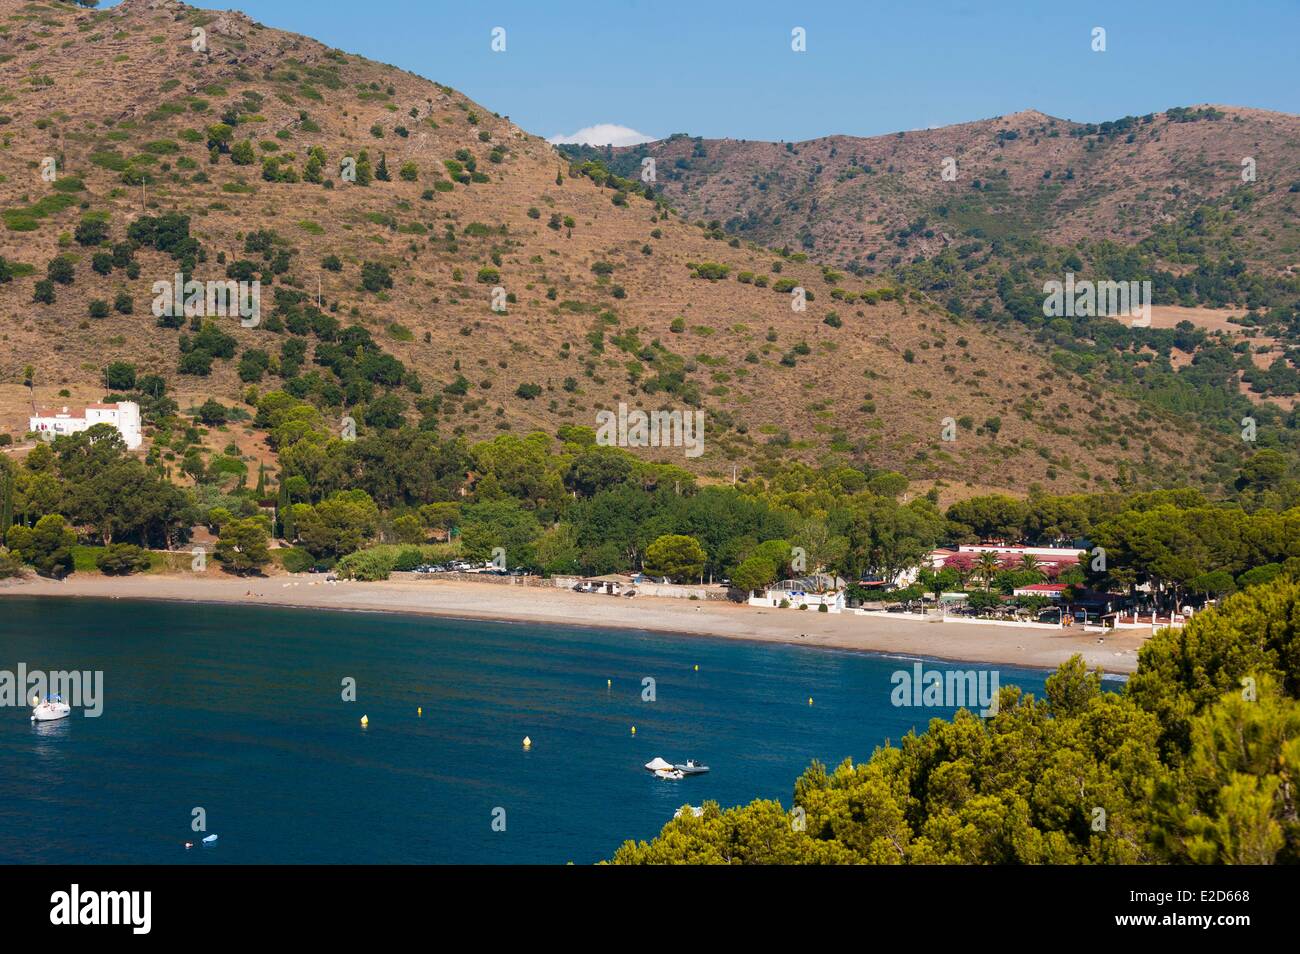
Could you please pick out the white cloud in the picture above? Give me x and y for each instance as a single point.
(603, 134)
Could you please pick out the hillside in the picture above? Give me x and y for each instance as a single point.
(611, 297)
(846, 199)
(979, 216)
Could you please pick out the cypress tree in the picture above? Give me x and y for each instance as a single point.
(284, 508)
(6, 503)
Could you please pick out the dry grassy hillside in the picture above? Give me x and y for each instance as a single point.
(1039, 176)
(123, 104)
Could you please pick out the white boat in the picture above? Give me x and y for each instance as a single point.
(657, 764)
(50, 709)
(691, 767)
(669, 773)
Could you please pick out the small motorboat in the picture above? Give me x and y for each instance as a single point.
(210, 840)
(50, 709)
(657, 764)
(671, 774)
(691, 767)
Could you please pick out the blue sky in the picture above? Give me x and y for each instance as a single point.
(721, 68)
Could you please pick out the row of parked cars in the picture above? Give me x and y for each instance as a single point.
(465, 566)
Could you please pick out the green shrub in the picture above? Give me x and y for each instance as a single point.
(375, 277)
(122, 559)
(373, 564)
(295, 559)
(85, 558)
(408, 559)
(713, 271)
(10, 566)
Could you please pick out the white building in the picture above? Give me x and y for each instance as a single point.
(50, 423)
(1041, 554)
(1046, 558)
(793, 594)
(1053, 591)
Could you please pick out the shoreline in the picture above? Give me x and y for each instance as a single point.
(1115, 654)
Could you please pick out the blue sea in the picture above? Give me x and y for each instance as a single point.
(239, 711)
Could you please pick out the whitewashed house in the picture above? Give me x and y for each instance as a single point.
(50, 423)
(611, 584)
(792, 592)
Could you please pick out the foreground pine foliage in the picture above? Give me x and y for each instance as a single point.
(1196, 761)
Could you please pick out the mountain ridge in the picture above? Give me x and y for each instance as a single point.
(864, 187)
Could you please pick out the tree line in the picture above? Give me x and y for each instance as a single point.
(565, 504)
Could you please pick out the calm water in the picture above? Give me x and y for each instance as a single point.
(238, 710)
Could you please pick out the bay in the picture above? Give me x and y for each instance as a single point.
(239, 710)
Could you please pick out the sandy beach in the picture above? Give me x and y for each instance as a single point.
(1032, 648)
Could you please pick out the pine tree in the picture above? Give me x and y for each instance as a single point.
(241, 154)
(364, 174)
(381, 173)
(314, 170)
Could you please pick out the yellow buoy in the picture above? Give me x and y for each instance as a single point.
(697, 667)
(365, 720)
(634, 730)
(810, 700)
(419, 710)
(528, 743)
(609, 683)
